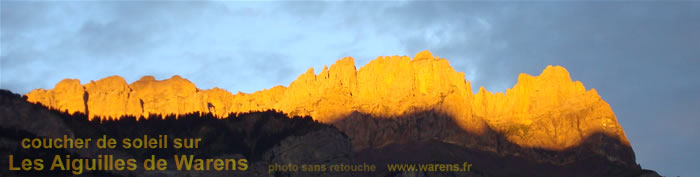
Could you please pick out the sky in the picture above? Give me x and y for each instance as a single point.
(642, 57)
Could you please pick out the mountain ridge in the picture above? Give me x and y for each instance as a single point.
(546, 111)
(420, 137)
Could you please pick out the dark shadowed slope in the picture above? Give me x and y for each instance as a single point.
(270, 137)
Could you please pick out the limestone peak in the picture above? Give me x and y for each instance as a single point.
(147, 78)
(112, 79)
(424, 55)
(68, 83)
(556, 72)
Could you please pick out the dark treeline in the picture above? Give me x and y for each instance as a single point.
(243, 135)
(248, 134)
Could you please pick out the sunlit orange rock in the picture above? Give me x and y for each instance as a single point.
(68, 95)
(107, 97)
(549, 110)
(172, 96)
(219, 101)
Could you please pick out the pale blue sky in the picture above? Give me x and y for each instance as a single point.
(642, 57)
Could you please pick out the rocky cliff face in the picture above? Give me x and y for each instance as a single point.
(266, 138)
(547, 111)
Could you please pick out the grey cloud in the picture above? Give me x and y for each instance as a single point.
(642, 57)
(107, 38)
(14, 17)
(304, 9)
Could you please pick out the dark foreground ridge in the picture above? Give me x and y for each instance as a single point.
(270, 137)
